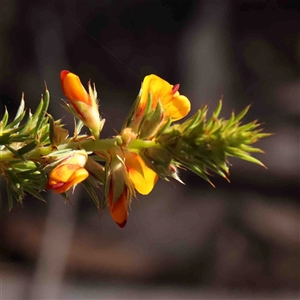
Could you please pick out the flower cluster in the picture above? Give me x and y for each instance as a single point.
(151, 144)
(126, 172)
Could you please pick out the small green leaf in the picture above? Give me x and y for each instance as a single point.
(27, 148)
(78, 127)
(41, 115)
(4, 120)
(13, 151)
(21, 108)
(242, 114)
(19, 115)
(218, 109)
(15, 123)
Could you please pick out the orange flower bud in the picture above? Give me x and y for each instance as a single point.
(85, 103)
(68, 173)
(118, 209)
(118, 188)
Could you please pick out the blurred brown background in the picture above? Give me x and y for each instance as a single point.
(238, 241)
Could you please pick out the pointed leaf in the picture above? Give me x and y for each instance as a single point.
(4, 120)
(41, 115)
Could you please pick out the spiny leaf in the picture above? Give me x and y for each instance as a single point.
(34, 193)
(27, 148)
(242, 114)
(4, 120)
(42, 112)
(15, 152)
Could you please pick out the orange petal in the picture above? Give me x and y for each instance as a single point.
(142, 177)
(73, 89)
(63, 172)
(63, 177)
(118, 210)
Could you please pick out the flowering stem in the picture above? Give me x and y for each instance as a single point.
(140, 144)
(39, 152)
(88, 145)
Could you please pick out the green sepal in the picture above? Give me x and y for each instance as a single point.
(164, 127)
(151, 122)
(87, 184)
(132, 112)
(117, 179)
(135, 118)
(57, 134)
(69, 108)
(96, 170)
(78, 126)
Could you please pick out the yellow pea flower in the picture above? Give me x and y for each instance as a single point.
(68, 173)
(142, 177)
(174, 105)
(85, 103)
(126, 172)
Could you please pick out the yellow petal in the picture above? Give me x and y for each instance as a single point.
(175, 105)
(158, 88)
(78, 176)
(177, 108)
(142, 177)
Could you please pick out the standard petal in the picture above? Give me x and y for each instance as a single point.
(158, 87)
